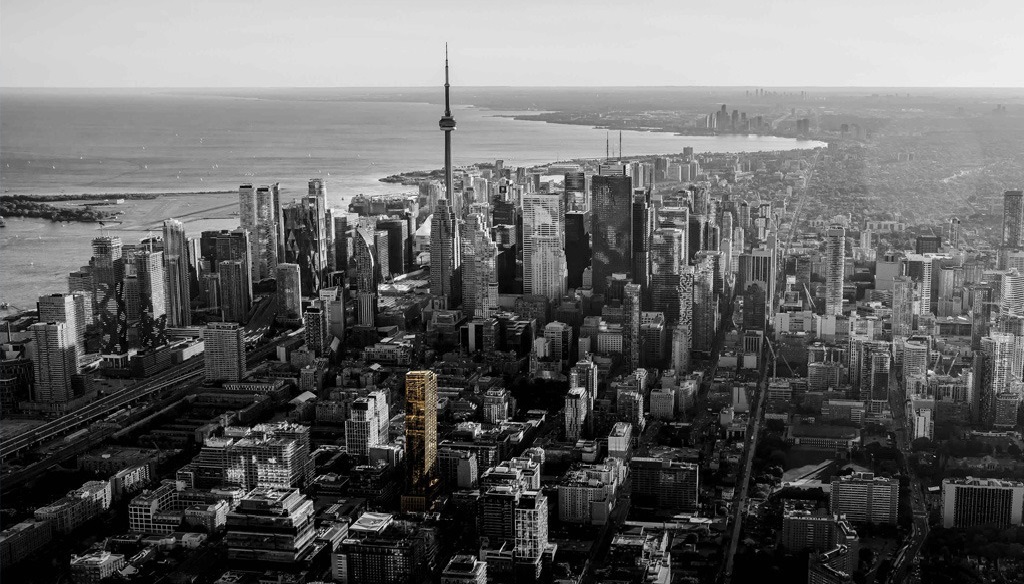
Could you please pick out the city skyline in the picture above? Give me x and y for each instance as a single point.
(677, 366)
(140, 45)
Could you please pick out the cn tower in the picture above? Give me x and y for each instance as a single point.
(447, 125)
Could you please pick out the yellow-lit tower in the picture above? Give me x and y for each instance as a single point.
(420, 440)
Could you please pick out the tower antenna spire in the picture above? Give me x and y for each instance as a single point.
(447, 103)
(447, 125)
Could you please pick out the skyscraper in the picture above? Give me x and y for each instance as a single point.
(420, 439)
(62, 308)
(235, 291)
(544, 267)
(177, 265)
(643, 227)
(149, 270)
(479, 277)
(54, 364)
(445, 254)
(631, 325)
(902, 306)
(258, 215)
(305, 233)
(1013, 219)
(611, 227)
(365, 256)
(317, 332)
(225, 351)
(577, 246)
(108, 279)
(289, 290)
(835, 254)
(666, 259)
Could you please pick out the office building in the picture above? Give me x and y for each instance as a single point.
(544, 265)
(577, 246)
(445, 255)
(420, 439)
(479, 277)
(863, 497)
(95, 567)
(971, 502)
(305, 237)
(665, 483)
(270, 526)
(611, 227)
(464, 569)
(642, 227)
(225, 351)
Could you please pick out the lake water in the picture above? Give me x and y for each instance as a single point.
(59, 141)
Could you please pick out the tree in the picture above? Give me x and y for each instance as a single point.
(922, 443)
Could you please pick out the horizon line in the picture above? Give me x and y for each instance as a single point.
(364, 87)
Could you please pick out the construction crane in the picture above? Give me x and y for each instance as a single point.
(775, 360)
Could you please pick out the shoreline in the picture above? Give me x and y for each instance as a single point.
(48, 197)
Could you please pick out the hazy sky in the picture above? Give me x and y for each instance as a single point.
(214, 43)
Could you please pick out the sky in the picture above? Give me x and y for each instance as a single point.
(358, 43)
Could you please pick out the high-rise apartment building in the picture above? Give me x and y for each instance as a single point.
(835, 254)
(902, 306)
(108, 270)
(225, 351)
(152, 297)
(54, 364)
(970, 502)
(1013, 219)
(420, 439)
(576, 413)
(177, 270)
(258, 216)
(64, 308)
(863, 497)
(235, 290)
